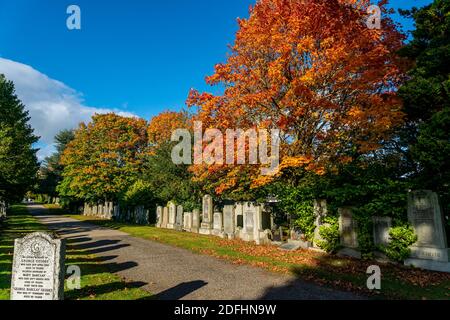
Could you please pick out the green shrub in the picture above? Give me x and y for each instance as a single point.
(138, 194)
(330, 235)
(401, 239)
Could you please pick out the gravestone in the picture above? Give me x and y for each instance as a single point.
(38, 268)
(207, 215)
(179, 218)
(348, 233)
(425, 215)
(165, 218)
(116, 213)
(172, 215)
(381, 227)
(195, 221)
(218, 225)
(249, 217)
(228, 221)
(187, 221)
(159, 216)
(239, 219)
(320, 211)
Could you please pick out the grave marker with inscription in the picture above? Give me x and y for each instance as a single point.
(38, 268)
(381, 227)
(425, 215)
(207, 215)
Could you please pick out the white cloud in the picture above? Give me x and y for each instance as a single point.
(53, 106)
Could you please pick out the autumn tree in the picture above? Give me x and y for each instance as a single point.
(167, 180)
(314, 70)
(161, 126)
(105, 158)
(18, 162)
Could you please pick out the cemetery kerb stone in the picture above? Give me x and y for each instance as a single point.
(425, 215)
(38, 268)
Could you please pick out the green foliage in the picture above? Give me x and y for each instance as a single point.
(50, 172)
(168, 181)
(329, 233)
(139, 194)
(426, 97)
(402, 237)
(18, 162)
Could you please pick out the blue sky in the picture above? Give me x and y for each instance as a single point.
(134, 56)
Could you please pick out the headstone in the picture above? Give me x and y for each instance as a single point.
(381, 227)
(218, 224)
(195, 221)
(116, 213)
(239, 220)
(207, 215)
(38, 268)
(347, 228)
(165, 218)
(179, 219)
(320, 211)
(425, 215)
(228, 221)
(249, 217)
(187, 223)
(172, 215)
(348, 233)
(159, 216)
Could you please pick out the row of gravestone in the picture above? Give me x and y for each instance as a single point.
(246, 221)
(109, 210)
(426, 217)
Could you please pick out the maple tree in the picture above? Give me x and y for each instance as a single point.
(314, 70)
(161, 126)
(104, 158)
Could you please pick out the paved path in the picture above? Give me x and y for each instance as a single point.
(174, 273)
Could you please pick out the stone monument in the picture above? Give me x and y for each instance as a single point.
(207, 215)
(381, 227)
(425, 215)
(172, 215)
(348, 233)
(38, 268)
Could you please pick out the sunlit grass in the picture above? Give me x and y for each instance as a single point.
(97, 282)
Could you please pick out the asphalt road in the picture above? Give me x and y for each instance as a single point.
(172, 273)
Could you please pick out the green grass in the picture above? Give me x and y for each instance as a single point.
(398, 282)
(97, 282)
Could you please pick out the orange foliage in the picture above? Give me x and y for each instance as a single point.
(315, 70)
(161, 126)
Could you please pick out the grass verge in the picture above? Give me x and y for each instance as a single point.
(97, 282)
(398, 282)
